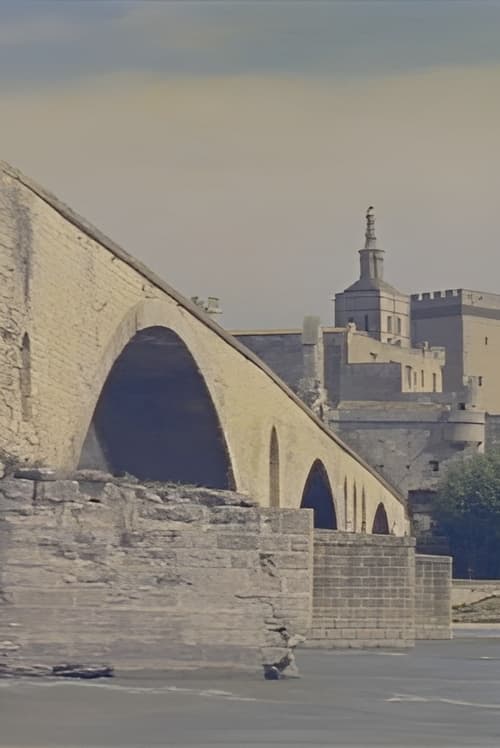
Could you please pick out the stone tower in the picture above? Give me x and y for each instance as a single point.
(373, 305)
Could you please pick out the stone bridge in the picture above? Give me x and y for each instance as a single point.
(103, 365)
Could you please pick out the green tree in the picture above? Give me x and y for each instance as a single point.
(467, 509)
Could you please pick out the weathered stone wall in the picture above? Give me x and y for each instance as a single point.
(364, 587)
(407, 443)
(432, 597)
(158, 576)
(370, 381)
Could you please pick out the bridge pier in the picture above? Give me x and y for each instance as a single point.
(375, 591)
(168, 576)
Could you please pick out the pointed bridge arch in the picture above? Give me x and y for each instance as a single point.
(380, 521)
(317, 495)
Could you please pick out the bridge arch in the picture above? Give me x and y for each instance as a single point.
(317, 495)
(274, 469)
(380, 523)
(155, 419)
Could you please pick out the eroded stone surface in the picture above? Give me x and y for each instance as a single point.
(150, 575)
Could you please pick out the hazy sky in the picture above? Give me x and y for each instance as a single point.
(234, 146)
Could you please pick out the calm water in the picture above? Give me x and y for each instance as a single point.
(439, 694)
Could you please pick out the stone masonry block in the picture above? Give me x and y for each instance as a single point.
(246, 516)
(58, 491)
(238, 541)
(295, 522)
(17, 489)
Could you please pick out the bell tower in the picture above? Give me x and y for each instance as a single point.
(371, 258)
(373, 305)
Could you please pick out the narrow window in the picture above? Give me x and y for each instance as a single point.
(367, 326)
(354, 508)
(480, 381)
(414, 378)
(389, 324)
(25, 378)
(422, 379)
(408, 376)
(434, 382)
(486, 341)
(274, 470)
(346, 505)
(363, 511)
(398, 322)
(434, 465)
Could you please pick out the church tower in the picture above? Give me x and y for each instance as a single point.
(374, 306)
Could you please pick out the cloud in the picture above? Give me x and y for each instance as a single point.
(37, 31)
(255, 188)
(46, 42)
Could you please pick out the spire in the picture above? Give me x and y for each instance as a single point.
(371, 257)
(370, 238)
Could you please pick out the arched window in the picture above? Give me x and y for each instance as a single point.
(363, 510)
(155, 418)
(354, 508)
(380, 523)
(274, 470)
(318, 495)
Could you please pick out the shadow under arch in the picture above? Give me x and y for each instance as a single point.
(274, 470)
(155, 418)
(380, 523)
(317, 495)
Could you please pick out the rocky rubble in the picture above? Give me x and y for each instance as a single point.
(65, 670)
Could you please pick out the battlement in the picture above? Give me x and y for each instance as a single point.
(464, 297)
(439, 296)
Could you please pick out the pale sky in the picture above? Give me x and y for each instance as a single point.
(235, 146)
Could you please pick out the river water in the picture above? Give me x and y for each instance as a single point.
(438, 694)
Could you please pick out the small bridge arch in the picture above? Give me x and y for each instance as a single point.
(380, 521)
(317, 495)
